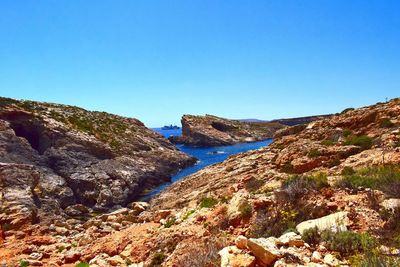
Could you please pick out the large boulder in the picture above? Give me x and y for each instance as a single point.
(264, 250)
(335, 222)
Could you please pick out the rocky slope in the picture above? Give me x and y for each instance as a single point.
(325, 194)
(210, 130)
(301, 120)
(54, 156)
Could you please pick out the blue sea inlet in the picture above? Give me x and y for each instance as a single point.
(205, 155)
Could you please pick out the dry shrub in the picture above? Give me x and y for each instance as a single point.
(198, 252)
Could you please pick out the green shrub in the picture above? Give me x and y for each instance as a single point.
(348, 242)
(334, 162)
(384, 177)
(279, 146)
(374, 259)
(170, 222)
(327, 142)
(187, 214)
(157, 259)
(4, 102)
(386, 123)
(348, 171)
(363, 141)
(245, 209)
(287, 168)
(82, 264)
(314, 153)
(311, 236)
(346, 110)
(208, 202)
(23, 263)
(347, 132)
(283, 220)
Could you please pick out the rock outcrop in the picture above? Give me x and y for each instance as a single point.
(210, 130)
(53, 156)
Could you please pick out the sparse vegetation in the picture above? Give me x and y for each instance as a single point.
(347, 132)
(253, 184)
(314, 153)
(287, 168)
(334, 162)
(345, 242)
(363, 141)
(348, 242)
(208, 202)
(311, 236)
(386, 123)
(245, 209)
(315, 182)
(60, 249)
(327, 142)
(384, 177)
(188, 214)
(346, 110)
(4, 102)
(348, 171)
(373, 259)
(157, 259)
(170, 222)
(82, 264)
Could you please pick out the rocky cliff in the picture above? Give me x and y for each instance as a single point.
(324, 194)
(214, 131)
(54, 156)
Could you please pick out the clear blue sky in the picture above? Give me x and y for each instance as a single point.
(157, 60)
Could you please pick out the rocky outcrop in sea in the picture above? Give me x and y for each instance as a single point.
(208, 130)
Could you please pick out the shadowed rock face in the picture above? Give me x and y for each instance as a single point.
(69, 155)
(214, 131)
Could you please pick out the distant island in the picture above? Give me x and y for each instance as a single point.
(170, 127)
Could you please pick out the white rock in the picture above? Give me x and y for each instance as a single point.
(316, 257)
(334, 222)
(330, 260)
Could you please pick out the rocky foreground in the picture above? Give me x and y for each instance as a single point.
(324, 194)
(208, 130)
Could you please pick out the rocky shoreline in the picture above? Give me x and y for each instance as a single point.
(323, 194)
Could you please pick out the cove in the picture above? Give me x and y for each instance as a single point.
(206, 156)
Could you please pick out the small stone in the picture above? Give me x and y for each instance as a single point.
(330, 260)
(116, 261)
(161, 214)
(72, 256)
(316, 257)
(36, 256)
(138, 207)
(61, 230)
(241, 242)
(292, 239)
